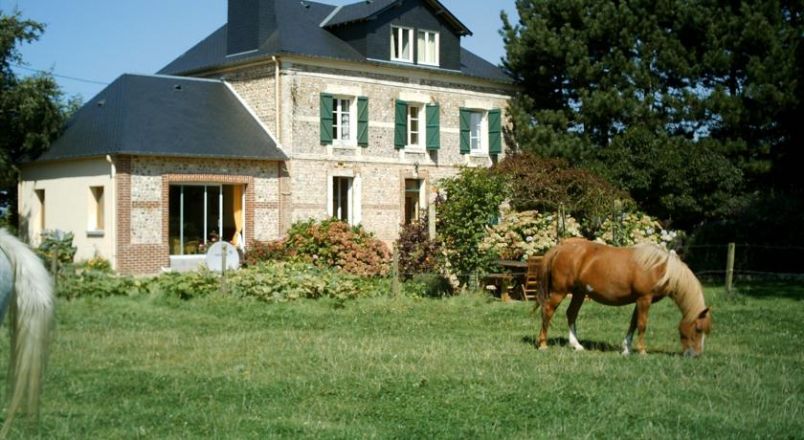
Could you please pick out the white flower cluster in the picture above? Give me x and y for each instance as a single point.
(634, 228)
(526, 233)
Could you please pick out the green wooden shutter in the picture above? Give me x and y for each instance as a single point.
(433, 126)
(362, 121)
(326, 119)
(495, 131)
(401, 125)
(466, 121)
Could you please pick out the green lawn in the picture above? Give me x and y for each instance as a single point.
(464, 367)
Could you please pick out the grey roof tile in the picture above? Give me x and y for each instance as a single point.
(297, 30)
(165, 116)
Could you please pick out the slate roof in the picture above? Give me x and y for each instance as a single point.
(165, 116)
(366, 10)
(296, 29)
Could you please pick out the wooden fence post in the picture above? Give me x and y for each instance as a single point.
(223, 269)
(395, 273)
(729, 268)
(54, 269)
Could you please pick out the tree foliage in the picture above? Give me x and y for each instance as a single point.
(552, 184)
(685, 104)
(467, 204)
(32, 111)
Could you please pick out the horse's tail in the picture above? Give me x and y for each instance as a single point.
(31, 317)
(547, 273)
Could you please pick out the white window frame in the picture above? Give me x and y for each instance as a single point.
(422, 127)
(397, 33)
(96, 218)
(421, 202)
(423, 58)
(421, 132)
(482, 138)
(354, 205)
(337, 112)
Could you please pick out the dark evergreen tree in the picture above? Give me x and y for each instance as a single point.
(684, 104)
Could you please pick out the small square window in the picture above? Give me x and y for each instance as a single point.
(39, 222)
(96, 208)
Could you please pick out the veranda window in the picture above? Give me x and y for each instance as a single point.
(200, 215)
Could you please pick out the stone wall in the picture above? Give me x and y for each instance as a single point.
(380, 167)
(143, 185)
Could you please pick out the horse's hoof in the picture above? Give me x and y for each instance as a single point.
(579, 348)
(543, 348)
(626, 353)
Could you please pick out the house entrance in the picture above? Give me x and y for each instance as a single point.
(203, 214)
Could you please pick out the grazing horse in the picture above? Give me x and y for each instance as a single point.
(26, 290)
(642, 274)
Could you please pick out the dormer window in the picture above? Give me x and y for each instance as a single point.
(401, 44)
(427, 48)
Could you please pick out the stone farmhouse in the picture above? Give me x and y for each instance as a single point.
(291, 110)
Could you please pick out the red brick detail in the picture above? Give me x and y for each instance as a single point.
(224, 179)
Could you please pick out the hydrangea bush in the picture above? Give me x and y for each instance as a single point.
(634, 228)
(328, 243)
(522, 234)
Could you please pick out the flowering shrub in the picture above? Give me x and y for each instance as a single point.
(636, 227)
(522, 234)
(417, 253)
(329, 243)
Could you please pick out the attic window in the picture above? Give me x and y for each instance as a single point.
(427, 48)
(401, 44)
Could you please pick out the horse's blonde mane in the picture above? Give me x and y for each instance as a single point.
(678, 280)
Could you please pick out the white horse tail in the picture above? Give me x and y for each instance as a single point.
(31, 318)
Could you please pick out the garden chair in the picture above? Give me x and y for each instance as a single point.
(530, 288)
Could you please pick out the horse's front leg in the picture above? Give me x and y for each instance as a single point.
(572, 315)
(642, 306)
(548, 308)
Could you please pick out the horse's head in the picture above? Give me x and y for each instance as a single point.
(693, 332)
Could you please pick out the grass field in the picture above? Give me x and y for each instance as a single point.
(464, 367)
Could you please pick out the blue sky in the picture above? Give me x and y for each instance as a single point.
(98, 40)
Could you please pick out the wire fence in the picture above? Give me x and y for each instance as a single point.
(710, 263)
(751, 261)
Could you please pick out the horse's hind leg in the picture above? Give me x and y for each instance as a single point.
(629, 337)
(548, 308)
(572, 315)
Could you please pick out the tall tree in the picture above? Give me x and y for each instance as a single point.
(32, 112)
(682, 103)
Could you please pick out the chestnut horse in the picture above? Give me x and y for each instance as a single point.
(642, 274)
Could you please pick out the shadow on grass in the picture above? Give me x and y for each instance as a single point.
(603, 347)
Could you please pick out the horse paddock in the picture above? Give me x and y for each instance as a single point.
(462, 367)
